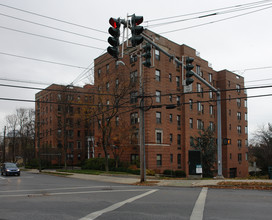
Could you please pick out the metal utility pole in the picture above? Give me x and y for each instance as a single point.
(4, 146)
(142, 124)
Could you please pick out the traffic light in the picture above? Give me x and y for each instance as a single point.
(147, 55)
(114, 31)
(226, 141)
(136, 30)
(189, 66)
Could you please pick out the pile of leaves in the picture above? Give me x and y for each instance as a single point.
(243, 185)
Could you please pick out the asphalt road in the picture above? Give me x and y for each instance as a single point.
(41, 196)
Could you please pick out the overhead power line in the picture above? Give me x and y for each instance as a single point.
(206, 11)
(54, 28)
(45, 61)
(51, 38)
(212, 22)
(209, 15)
(55, 19)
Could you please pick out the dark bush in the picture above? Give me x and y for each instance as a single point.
(97, 164)
(180, 173)
(169, 173)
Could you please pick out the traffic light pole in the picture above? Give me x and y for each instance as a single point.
(142, 124)
(218, 101)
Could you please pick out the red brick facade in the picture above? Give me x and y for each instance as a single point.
(61, 123)
(176, 126)
(115, 102)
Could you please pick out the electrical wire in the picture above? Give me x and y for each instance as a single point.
(51, 18)
(201, 12)
(208, 15)
(212, 22)
(54, 28)
(50, 38)
(45, 61)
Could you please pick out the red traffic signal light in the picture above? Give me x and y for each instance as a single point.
(114, 31)
(115, 22)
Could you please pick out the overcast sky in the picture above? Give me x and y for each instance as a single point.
(235, 38)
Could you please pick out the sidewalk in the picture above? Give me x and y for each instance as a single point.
(134, 179)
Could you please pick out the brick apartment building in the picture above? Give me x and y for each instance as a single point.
(62, 126)
(169, 132)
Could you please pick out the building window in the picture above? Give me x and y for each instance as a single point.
(245, 103)
(239, 130)
(133, 58)
(158, 117)
(238, 88)
(171, 158)
(107, 68)
(198, 70)
(78, 145)
(134, 118)
(200, 124)
(178, 120)
(246, 116)
(211, 110)
(158, 75)
(158, 136)
(191, 123)
(229, 112)
(191, 141)
(246, 143)
(99, 73)
(117, 83)
(170, 98)
(170, 77)
(191, 104)
(179, 139)
(116, 120)
(238, 100)
(210, 77)
(238, 116)
(239, 157)
(133, 97)
(108, 104)
(171, 138)
(178, 81)
(157, 54)
(198, 87)
(199, 107)
(179, 160)
(171, 118)
(133, 76)
(246, 130)
(239, 143)
(178, 100)
(158, 96)
(107, 86)
(210, 94)
(246, 156)
(134, 158)
(159, 160)
(211, 126)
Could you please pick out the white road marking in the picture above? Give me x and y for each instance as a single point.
(66, 188)
(96, 214)
(2, 178)
(71, 193)
(197, 213)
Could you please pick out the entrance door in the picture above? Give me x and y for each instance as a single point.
(194, 159)
(233, 172)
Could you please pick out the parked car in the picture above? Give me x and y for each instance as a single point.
(10, 169)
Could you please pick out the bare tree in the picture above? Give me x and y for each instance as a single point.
(114, 92)
(261, 149)
(12, 125)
